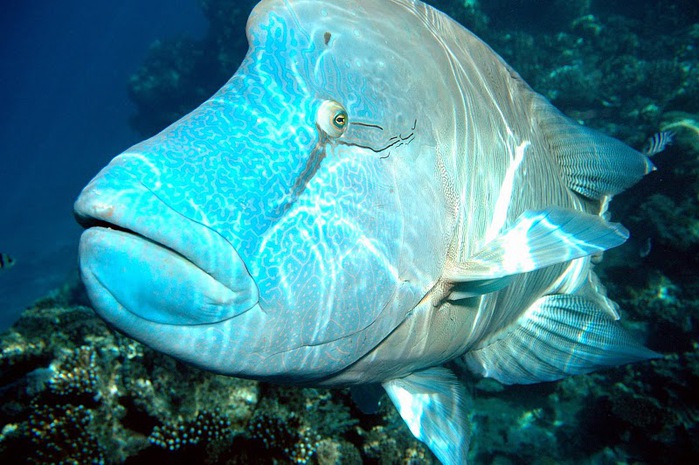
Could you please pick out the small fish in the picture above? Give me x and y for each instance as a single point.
(6, 262)
(658, 142)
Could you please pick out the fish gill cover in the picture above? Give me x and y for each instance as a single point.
(74, 391)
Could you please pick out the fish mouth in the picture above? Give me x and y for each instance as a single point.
(140, 255)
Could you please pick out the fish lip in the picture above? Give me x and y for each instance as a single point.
(140, 212)
(90, 222)
(91, 215)
(87, 222)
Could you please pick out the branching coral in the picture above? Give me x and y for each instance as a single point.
(61, 434)
(76, 373)
(208, 426)
(285, 434)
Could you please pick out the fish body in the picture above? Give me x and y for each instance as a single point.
(6, 261)
(374, 193)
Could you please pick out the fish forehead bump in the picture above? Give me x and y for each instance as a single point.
(362, 54)
(359, 34)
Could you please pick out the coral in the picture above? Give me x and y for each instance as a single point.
(685, 126)
(85, 394)
(600, 67)
(669, 223)
(85, 385)
(207, 426)
(641, 412)
(285, 434)
(382, 446)
(337, 452)
(329, 414)
(390, 442)
(166, 87)
(533, 14)
(75, 373)
(61, 434)
(597, 65)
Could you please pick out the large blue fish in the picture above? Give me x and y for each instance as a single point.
(372, 194)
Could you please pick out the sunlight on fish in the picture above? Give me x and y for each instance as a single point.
(373, 194)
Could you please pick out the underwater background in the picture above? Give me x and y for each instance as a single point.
(81, 81)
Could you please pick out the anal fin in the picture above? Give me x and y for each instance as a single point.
(559, 335)
(433, 403)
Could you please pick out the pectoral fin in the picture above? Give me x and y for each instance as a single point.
(536, 240)
(433, 403)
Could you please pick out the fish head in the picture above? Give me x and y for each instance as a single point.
(286, 226)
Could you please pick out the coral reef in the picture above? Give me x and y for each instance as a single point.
(607, 70)
(285, 434)
(207, 426)
(61, 434)
(85, 394)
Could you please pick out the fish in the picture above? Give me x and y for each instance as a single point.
(6, 261)
(374, 199)
(658, 142)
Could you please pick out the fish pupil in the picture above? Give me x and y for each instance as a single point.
(340, 119)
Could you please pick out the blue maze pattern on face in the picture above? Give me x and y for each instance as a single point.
(232, 164)
(314, 218)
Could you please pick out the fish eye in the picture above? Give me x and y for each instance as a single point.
(340, 119)
(332, 118)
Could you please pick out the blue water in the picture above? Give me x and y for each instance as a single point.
(64, 68)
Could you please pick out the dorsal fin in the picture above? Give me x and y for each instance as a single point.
(594, 165)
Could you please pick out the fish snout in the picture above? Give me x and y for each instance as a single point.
(139, 255)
